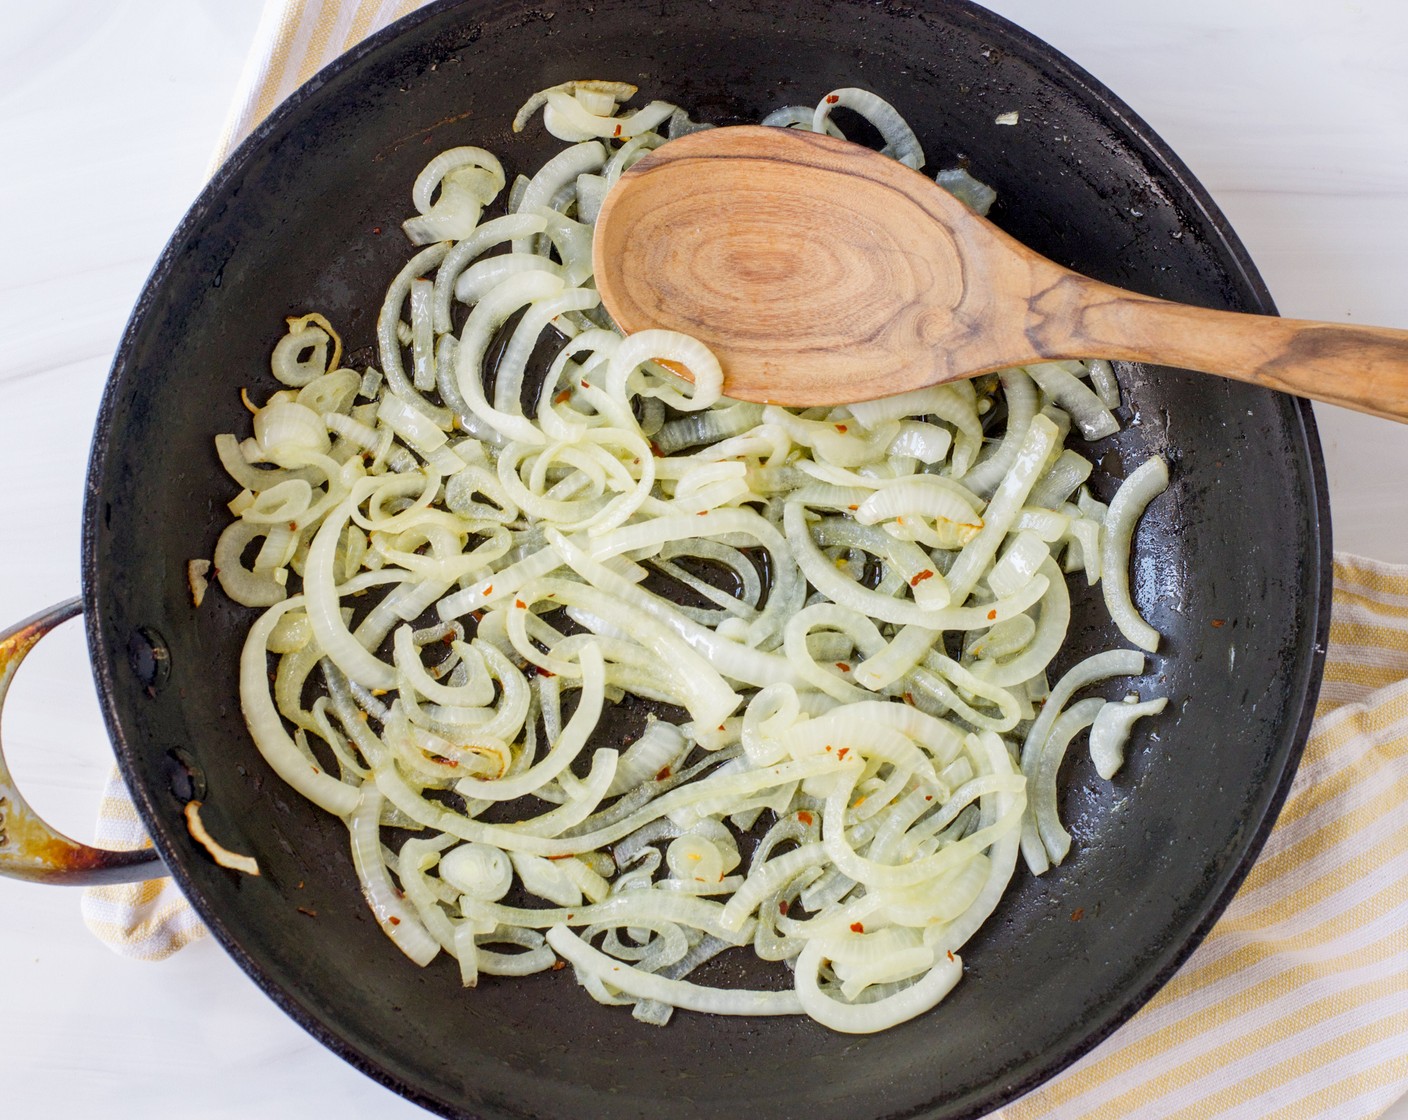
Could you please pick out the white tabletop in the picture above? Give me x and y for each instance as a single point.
(1294, 113)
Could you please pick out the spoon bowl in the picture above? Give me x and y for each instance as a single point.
(820, 272)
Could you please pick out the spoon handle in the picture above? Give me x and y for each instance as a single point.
(1363, 368)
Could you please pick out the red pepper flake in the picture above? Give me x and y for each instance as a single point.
(832, 98)
(488, 589)
(805, 817)
(841, 428)
(843, 752)
(293, 526)
(857, 927)
(853, 508)
(565, 395)
(950, 953)
(702, 513)
(558, 965)
(568, 856)
(376, 230)
(721, 727)
(305, 910)
(617, 131)
(664, 773)
(828, 746)
(920, 577)
(394, 920)
(585, 385)
(1218, 623)
(928, 797)
(992, 614)
(520, 604)
(909, 699)
(1078, 913)
(782, 907)
(843, 667)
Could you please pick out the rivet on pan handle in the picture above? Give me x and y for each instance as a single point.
(29, 848)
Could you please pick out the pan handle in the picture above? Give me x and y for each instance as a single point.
(29, 848)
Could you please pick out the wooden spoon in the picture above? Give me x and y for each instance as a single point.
(820, 272)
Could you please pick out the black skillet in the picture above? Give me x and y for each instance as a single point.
(1232, 564)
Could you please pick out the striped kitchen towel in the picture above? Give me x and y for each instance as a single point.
(147, 921)
(1296, 1004)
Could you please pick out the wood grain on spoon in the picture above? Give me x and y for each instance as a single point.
(821, 272)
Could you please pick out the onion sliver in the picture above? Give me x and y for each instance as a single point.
(1146, 483)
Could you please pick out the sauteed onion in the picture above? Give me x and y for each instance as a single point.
(827, 631)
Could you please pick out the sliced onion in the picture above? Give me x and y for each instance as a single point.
(1058, 382)
(568, 119)
(1110, 732)
(677, 993)
(1042, 775)
(975, 195)
(1134, 495)
(900, 141)
(559, 172)
(791, 583)
(397, 920)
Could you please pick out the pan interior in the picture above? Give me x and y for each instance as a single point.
(1232, 570)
